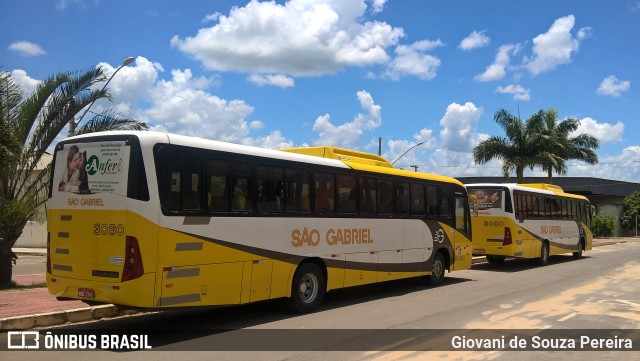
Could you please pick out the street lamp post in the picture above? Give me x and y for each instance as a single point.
(73, 123)
(403, 154)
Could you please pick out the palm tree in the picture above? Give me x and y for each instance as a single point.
(28, 126)
(520, 149)
(562, 147)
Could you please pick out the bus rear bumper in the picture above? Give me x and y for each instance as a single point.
(491, 250)
(135, 293)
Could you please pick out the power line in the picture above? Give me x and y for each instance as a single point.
(492, 167)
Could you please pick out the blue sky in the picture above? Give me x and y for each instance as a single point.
(346, 72)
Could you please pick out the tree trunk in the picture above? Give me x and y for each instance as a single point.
(520, 174)
(6, 268)
(549, 175)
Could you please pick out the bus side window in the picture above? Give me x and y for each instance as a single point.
(347, 194)
(242, 183)
(368, 196)
(385, 193)
(297, 193)
(218, 194)
(445, 202)
(175, 191)
(270, 189)
(402, 198)
(324, 193)
(417, 199)
(191, 190)
(432, 201)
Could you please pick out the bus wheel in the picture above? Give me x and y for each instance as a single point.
(437, 269)
(544, 254)
(307, 289)
(578, 253)
(494, 259)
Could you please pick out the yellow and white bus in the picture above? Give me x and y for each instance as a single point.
(157, 220)
(528, 221)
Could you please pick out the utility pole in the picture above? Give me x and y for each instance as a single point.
(415, 167)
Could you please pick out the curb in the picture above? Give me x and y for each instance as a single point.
(110, 311)
(63, 317)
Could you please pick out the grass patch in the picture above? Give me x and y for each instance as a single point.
(14, 286)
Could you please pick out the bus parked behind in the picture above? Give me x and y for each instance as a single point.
(528, 221)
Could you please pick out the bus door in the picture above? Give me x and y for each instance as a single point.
(462, 247)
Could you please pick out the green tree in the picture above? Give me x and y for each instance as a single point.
(29, 125)
(520, 149)
(631, 210)
(560, 147)
(602, 226)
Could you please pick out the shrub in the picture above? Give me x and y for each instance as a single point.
(602, 226)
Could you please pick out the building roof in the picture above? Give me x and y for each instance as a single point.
(586, 186)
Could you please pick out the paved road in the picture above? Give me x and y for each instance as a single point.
(599, 291)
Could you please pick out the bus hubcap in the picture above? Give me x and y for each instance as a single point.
(308, 288)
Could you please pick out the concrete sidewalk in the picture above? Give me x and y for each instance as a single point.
(31, 308)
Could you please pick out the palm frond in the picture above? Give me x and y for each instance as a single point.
(110, 121)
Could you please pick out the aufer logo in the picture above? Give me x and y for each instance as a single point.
(94, 166)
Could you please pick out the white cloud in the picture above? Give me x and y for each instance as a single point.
(411, 60)
(25, 82)
(612, 86)
(182, 105)
(26, 48)
(556, 46)
(134, 82)
(211, 17)
(278, 80)
(519, 93)
(477, 39)
(458, 127)
(378, 5)
(347, 135)
(605, 132)
(497, 70)
(623, 166)
(275, 140)
(256, 124)
(299, 37)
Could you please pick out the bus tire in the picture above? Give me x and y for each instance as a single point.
(578, 253)
(494, 259)
(307, 289)
(438, 267)
(544, 254)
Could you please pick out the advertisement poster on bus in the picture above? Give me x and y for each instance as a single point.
(484, 199)
(88, 168)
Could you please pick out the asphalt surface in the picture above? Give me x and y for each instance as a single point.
(32, 308)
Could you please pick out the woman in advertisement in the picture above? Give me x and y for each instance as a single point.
(71, 176)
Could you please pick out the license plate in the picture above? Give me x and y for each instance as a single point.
(86, 293)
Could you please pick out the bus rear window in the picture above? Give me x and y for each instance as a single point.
(100, 166)
(485, 199)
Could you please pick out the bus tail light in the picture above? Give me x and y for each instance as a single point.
(132, 260)
(507, 236)
(48, 252)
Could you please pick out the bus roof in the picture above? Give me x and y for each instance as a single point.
(149, 138)
(324, 155)
(541, 188)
